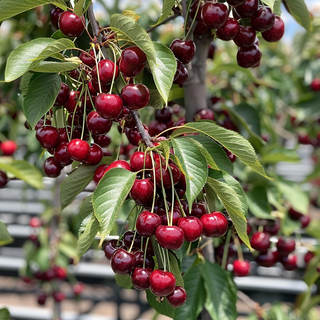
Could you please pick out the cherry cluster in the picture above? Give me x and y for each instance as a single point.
(7, 148)
(248, 18)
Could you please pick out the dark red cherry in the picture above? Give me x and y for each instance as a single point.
(263, 19)
(128, 238)
(40, 123)
(178, 297)
(95, 155)
(122, 262)
(63, 95)
(148, 260)
(99, 173)
(42, 298)
(305, 220)
(203, 114)
(285, 246)
(97, 125)
(3, 179)
(166, 179)
(245, 37)
(212, 50)
(58, 296)
(78, 150)
(142, 191)
(175, 216)
(247, 9)
(290, 262)
(267, 259)
(48, 136)
(272, 229)
(135, 96)
(109, 106)
(71, 104)
(105, 88)
(315, 85)
(164, 115)
(88, 58)
(8, 147)
(111, 246)
(133, 136)
(102, 140)
(249, 57)
(308, 256)
(215, 224)
(241, 268)
(55, 14)
(260, 241)
(229, 30)
(147, 222)
(200, 30)
(51, 168)
(276, 32)
(236, 2)
(91, 88)
(140, 278)
(192, 228)
(132, 61)
(140, 160)
(119, 164)
(294, 214)
(214, 15)
(106, 70)
(61, 156)
(181, 74)
(70, 24)
(63, 133)
(162, 283)
(169, 237)
(87, 103)
(156, 127)
(193, 10)
(183, 50)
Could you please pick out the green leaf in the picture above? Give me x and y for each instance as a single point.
(196, 295)
(68, 245)
(277, 7)
(221, 297)
(233, 68)
(75, 183)
(124, 281)
(288, 226)
(299, 10)
(41, 95)
(24, 83)
(214, 152)
(109, 196)
(5, 237)
(87, 232)
(23, 170)
(41, 258)
(258, 203)
(4, 314)
(161, 307)
(233, 205)
(274, 153)
(163, 69)
(55, 47)
(194, 165)
(166, 10)
(156, 100)
(174, 268)
(231, 140)
(11, 8)
(21, 59)
(54, 67)
(86, 207)
(269, 3)
(78, 8)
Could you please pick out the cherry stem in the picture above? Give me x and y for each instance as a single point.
(168, 259)
(162, 257)
(84, 113)
(238, 245)
(145, 136)
(121, 231)
(163, 22)
(173, 189)
(180, 204)
(192, 23)
(154, 183)
(226, 250)
(164, 196)
(134, 237)
(145, 254)
(122, 131)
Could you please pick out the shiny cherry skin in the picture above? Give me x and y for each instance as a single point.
(276, 32)
(260, 241)
(63, 133)
(106, 70)
(315, 85)
(8, 147)
(135, 96)
(102, 140)
(263, 19)
(122, 262)
(132, 61)
(142, 191)
(215, 224)
(162, 283)
(95, 155)
(51, 168)
(63, 95)
(169, 237)
(236, 2)
(147, 222)
(105, 88)
(78, 150)
(108, 106)
(229, 30)
(249, 57)
(88, 58)
(245, 37)
(178, 297)
(133, 136)
(192, 228)
(308, 256)
(193, 10)
(149, 262)
(111, 246)
(214, 15)
(70, 24)
(55, 14)
(181, 74)
(140, 160)
(305, 220)
(285, 246)
(140, 278)
(183, 50)
(230, 155)
(156, 127)
(61, 156)
(99, 173)
(290, 262)
(128, 238)
(241, 268)
(203, 114)
(3, 179)
(175, 217)
(48, 137)
(98, 125)
(247, 9)
(119, 164)
(164, 115)
(267, 259)
(71, 104)
(166, 179)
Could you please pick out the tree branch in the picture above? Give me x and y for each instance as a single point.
(163, 22)
(145, 136)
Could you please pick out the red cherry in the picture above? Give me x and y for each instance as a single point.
(78, 288)
(99, 173)
(272, 229)
(175, 217)
(212, 49)
(290, 262)
(118, 164)
(229, 30)
(308, 256)
(106, 70)
(305, 220)
(111, 246)
(142, 191)
(73, 99)
(247, 9)
(315, 85)
(156, 127)
(140, 160)
(63, 95)
(203, 114)
(104, 87)
(42, 298)
(95, 155)
(58, 296)
(70, 24)
(88, 58)
(8, 147)
(35, 222)
(133, 136)
(162, 283)
(236, 2)
(294, 215)
(109, 106)
(192, 228)
(164, 115)
(48, 136)
(200, 30)
(276, 32)
(135, 96)
(140, 278)
(169, 237)
(60, 273)
(102, 140)
(183, 50)
(267, 259)
(245, 37)
(122, 262)
(78, 150)
(193, 10)
(215, 224)
(63, 133)
(241, 268)
(55, 14)
(285, 247)
(128, 238)
(61, 156)
(166, 178)
(214, 15)
(147, 222)
(132, 61)
(198, 209)
(249, 57)
(98, 125)
(148, 260)
(51, 168)
(260, 241)
(263, 19)
(181, 74)
(178, 297)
